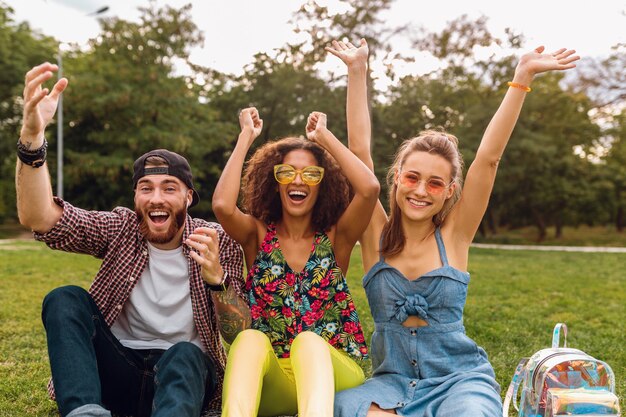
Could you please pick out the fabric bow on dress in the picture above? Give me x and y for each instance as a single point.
(412, 305)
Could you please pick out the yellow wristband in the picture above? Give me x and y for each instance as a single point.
(520, 86)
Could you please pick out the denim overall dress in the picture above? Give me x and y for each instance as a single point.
(428, 371)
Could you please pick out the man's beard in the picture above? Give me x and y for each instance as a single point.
(178, 220)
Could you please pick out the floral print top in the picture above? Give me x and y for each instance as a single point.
(284, 303)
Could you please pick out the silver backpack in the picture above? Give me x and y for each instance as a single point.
(562, 381)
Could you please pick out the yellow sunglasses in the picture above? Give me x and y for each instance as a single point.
(286, 174)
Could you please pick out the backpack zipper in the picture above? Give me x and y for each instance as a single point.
(552, 355)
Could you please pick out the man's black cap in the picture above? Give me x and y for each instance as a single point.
(177, 166)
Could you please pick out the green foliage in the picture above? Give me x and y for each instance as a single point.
(355, 20)
(544, 182)
(616, 169)
(583, 235)
(20, 49)
(124, 99)
(284, 96)
(126, 96)
(457, 41)
(604, 80)
(541, 180)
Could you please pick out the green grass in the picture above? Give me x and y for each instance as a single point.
(515, 298)
(29, 271)
(572, 236)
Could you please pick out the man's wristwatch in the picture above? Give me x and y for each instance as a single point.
(219, 287)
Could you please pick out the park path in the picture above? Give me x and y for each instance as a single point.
(551, 248)
(9, 244)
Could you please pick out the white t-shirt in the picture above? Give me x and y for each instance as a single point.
(158, 312)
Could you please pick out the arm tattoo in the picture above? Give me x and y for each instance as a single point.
(233, 313)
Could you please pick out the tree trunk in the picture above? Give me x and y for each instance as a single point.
(541, 225)
(491, 221)
(481, 228)
(619, 219)
(558, 233)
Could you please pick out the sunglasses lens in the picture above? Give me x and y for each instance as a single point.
(284, 174)
(312, 175)
(435, 187)
(409, 179)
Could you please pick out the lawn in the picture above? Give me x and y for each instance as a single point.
(572, 236)
(515, 298)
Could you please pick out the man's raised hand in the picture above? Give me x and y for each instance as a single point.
(39, 103)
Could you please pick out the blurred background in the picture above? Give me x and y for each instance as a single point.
(151, 74)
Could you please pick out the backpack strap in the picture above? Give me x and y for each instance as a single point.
(511, 392)
(556, 335)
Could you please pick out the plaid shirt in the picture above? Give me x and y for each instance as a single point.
(114, 237)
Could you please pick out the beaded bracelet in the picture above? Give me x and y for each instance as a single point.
(33, 157)
(520, 86)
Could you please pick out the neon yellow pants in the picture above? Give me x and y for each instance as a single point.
(259, 383)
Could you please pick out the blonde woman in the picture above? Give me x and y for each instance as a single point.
(416, 258)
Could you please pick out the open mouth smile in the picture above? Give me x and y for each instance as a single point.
(297, 196)
(418, 203)
(158, 217)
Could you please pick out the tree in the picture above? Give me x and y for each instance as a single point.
(124, 99)
(605, 79)
(539, 179)
(284, 96)
(605, 82)
(353, 20)
(358, 19)
(20, 49)
(616, 169)
(545, 181)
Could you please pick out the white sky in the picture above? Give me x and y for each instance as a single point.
(237, 29)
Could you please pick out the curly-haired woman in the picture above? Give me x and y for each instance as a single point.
(297, 228)
(416, 258)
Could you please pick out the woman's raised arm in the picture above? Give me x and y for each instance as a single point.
(467, 214)
(240, 226)
(360, 135)
(356, 217)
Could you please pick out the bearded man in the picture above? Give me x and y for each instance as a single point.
(144, 341)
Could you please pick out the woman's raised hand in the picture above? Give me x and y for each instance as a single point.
(536, 62)
(315, 127)
(351, 55)
(250, 122)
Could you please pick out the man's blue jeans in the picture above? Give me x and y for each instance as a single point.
(90, 366)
